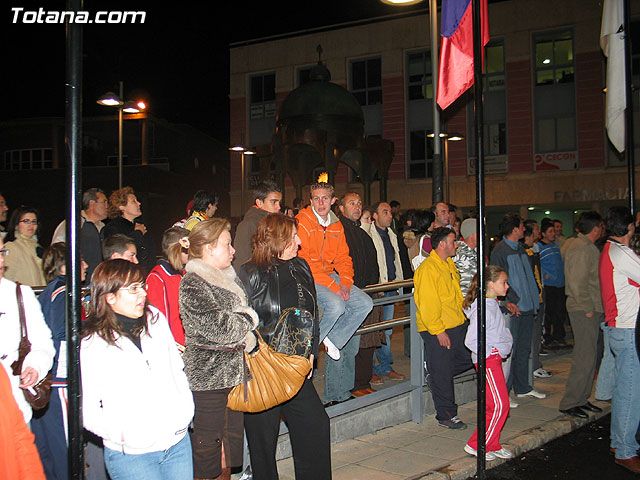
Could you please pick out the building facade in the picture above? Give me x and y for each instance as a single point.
(165, 163)
(544, 136)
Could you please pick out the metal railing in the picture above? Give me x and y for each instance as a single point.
(414, 385)
(386, 287)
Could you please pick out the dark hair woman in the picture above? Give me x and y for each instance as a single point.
(281, 289)
(416, 238)
(218, 324)
(38, 362)
(24, 258)
(135, 392)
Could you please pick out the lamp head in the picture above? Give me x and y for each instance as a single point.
(110, 99)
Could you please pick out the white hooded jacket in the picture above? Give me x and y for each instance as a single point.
(498, 335)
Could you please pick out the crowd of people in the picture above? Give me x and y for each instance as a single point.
(172, 332)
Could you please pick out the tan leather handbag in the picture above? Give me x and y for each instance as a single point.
(275, 378)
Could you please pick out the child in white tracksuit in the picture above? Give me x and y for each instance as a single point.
(498, 347)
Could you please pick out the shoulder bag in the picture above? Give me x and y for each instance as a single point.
(293, 333)
(274, 377)
(38, 395)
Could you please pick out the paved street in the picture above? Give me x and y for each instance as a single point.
(582, 454)
(427, 451)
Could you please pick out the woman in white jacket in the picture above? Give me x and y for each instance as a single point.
(135, 393)
(38, 361)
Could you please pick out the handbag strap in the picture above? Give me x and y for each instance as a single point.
(301, 299)
(423, 252)
(24, 345)
(23, 321)
(237, 348)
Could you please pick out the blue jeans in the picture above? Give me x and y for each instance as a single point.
(339, 318)
(383, 352)
(521, 330)
(339, 375)
(606, 372)
(172, 464)
(625, 414)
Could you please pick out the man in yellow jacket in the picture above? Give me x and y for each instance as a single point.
(442, 324)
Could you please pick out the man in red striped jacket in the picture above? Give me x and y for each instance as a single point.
(620, 288)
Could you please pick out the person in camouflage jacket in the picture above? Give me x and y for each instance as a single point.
(466, 258)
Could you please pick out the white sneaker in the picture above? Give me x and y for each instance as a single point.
(488, 456)
(513, 404)
(332, 350)
(533, 394)
(503, 453)
(541, 373)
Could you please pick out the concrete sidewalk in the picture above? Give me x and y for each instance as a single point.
(415, 451)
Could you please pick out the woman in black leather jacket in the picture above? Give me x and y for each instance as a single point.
(281, 290)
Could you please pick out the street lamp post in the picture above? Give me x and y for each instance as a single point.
(110, 99)
(446, 137)
(243, 151)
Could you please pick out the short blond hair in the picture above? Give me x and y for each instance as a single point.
(204, 233)
(321, 186)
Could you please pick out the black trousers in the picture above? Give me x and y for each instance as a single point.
(443, 364)
(364, 368)
(308, 431)
(213, 425)
(555, 315)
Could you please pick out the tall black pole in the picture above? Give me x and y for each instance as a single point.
(436, 177)
(626, 13)
(73, 133)
(482, 310)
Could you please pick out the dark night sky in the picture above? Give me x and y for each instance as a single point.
(178, 59)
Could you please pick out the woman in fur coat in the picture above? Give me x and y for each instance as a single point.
(218, 324)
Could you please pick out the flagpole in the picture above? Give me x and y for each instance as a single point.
(436, 177)
(629, 147)
(480, 229)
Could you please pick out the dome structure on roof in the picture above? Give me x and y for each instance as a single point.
(319, 126)
(319, 103)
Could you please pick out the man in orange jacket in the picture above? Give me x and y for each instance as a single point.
(344, 305)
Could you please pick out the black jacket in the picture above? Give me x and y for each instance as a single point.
(90, 246)
(363, 253)
(144, 245)
(263, 290)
